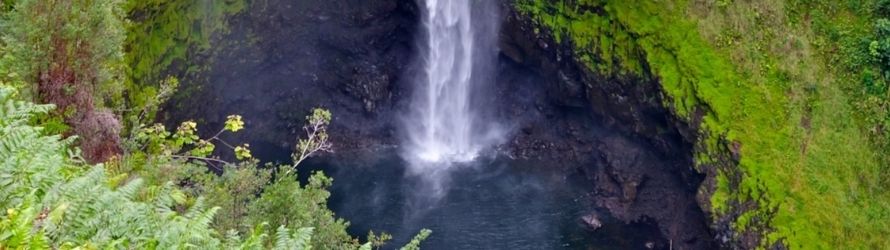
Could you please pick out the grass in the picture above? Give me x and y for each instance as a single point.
(763, 73)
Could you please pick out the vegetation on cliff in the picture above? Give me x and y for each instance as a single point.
(170, 36)
(72, 177)
(775, 82)
(71, 52)
(169, 195)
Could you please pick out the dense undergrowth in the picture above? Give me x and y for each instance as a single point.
(161, 188)
(160, 198)
(53, 199)
(777, 82)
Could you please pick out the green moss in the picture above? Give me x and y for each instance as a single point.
(170, 33)
(805, 160)
(720, 197)
(614, 48)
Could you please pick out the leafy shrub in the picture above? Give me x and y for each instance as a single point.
(72, 51)
(873, 101)
(53, 199)
(882, 8)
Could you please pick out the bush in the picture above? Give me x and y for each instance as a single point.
(72, 51)
(54, 199)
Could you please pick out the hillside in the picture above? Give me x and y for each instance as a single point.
(789, 109)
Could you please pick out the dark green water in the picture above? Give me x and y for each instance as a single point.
(489, 204)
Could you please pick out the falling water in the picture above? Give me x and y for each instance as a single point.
(457, 56)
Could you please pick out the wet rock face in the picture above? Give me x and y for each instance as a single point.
(633, 184)
(283, 58)
(369, 84)
(636, 154)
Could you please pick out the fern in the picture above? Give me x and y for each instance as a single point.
(301, 239)
(15, 227)
(56, 201)
(53, 204)
(256, 239)
(22, 145)
(15, 112)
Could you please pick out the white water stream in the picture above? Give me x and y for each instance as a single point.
(445, 127)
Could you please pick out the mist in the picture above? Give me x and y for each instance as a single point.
(446, 126)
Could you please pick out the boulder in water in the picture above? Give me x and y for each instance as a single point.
(592, 221)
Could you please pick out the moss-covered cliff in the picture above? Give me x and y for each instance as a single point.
(171, 38)
(789, 159)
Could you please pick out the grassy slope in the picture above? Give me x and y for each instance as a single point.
(760, 75)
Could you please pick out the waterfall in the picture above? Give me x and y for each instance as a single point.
(457, 57)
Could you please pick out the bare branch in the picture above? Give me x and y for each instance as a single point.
(316, 137)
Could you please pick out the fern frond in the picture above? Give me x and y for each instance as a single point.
(257, 237)
(282, 239)
(301, 239)
(129, 190)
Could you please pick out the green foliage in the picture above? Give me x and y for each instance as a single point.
(137, 115)
(242, 152)
(246, 194)
(52, 199)
(285, 202)
(234, 123)
(70, 54)
(170, 33)
(64, 205)
(316, 136)
(165, 31)
(17, 231)
(415, 242)
(299, 239)
(23, 145)
(166, 191)
(375, 240)
(234, 191)
(8, 74)
(84, 35)
(185, 143)
(751, 70)
(6, 5)
(871, 60)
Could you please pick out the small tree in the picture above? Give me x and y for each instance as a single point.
(71, 50)
(316, 136)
